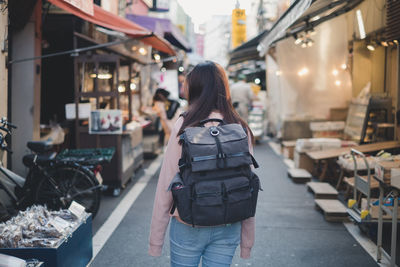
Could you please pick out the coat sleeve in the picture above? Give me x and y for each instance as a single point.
(248, 227)
(163, 198)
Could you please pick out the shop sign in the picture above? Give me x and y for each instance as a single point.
(83, 5)
(105, 121)
(238, 27)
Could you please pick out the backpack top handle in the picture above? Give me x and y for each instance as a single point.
(211, 120)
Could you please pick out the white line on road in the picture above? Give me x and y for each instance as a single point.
(109, 226)
(275, 147)
(366, 243)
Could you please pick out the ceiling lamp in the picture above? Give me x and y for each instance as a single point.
(143, 51)
(303, 71)
(360, 22)
(297, 39)
(371, 47)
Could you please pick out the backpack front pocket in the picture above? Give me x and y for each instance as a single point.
(182, 201)
(208, 200)
(239, 204)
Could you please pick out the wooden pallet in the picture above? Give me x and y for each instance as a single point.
(299, 175)
(333, 210)
(322, 190)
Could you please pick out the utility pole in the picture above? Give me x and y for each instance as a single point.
(261, 21)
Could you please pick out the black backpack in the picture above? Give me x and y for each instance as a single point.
(215, 184)
(172, 108)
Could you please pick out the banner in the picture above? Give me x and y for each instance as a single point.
(238, 27)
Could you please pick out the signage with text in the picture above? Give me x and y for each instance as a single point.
(238, 27)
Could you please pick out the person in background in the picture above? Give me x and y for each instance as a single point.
(181, 81)
(242, 96)
(167, 110)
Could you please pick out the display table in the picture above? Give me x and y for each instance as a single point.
(127, 158)
(393, 213)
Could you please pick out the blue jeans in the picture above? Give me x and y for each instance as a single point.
(214, 245)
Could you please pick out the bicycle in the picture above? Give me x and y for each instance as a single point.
(50, 181)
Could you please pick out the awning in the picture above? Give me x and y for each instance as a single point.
(164, 27)
(304, 15)
(247, 51)
(107, 19)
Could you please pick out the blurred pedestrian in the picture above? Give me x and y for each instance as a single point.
(209, 97)
(242, 96)
(167, 110)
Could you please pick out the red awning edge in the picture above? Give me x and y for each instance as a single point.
(109, 20)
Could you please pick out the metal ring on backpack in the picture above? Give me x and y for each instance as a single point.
(214, 132)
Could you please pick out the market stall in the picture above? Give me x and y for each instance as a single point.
(101, 89)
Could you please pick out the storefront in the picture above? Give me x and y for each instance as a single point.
(91, 62)
(317, 62)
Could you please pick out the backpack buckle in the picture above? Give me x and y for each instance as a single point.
(221, 155)
(214, 131)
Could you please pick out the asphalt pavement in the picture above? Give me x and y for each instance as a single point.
(289, 231)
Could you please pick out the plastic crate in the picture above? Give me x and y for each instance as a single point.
(87, 155)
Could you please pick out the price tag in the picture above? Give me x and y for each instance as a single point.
(99, 178)
(77, 209)
(59, 223)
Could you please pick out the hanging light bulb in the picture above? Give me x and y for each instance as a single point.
(335, 72)
(343, 66)
(303, 71)
(157, 57)
(121, 88)
(371, 47)
(338, 82)
(298, 41)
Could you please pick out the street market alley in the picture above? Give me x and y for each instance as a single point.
(289, 231)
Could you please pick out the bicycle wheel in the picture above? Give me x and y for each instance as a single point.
(63, 184)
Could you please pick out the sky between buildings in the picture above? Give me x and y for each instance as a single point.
(203, 10)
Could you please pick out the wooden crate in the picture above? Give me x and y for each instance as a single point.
(288, 149)
(374, 210)
(322, 190)
(303, 161)
(299, 175)
(333, 210)
(383, 169)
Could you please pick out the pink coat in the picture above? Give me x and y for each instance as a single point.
(163, 198)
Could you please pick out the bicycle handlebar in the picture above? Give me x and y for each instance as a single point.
(4, 129)
(6, 123)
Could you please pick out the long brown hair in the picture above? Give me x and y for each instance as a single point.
(208, 90)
